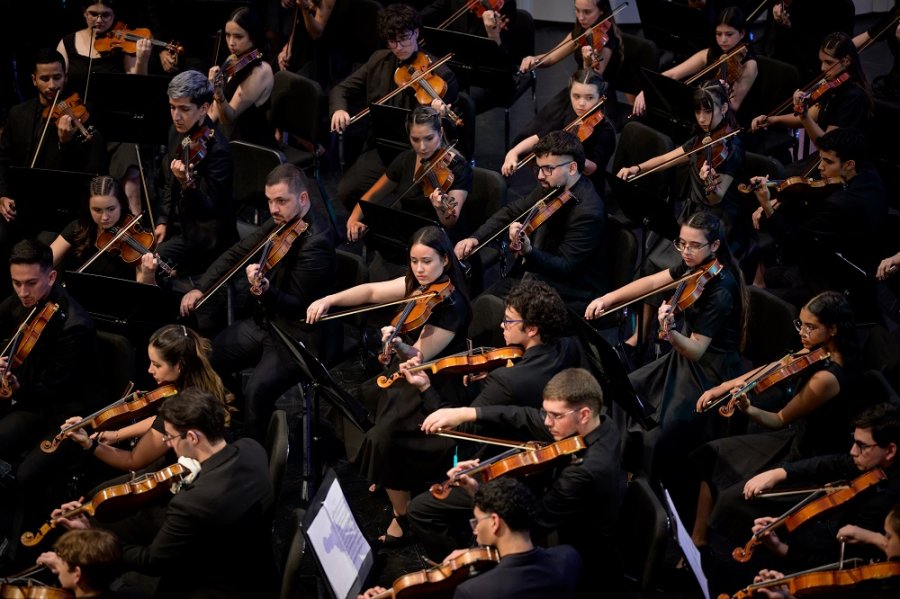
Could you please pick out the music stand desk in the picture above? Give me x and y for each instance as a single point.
(389, 230)
(46, 199)
(139, 116)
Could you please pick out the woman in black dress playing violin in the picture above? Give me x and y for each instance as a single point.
(387, 456)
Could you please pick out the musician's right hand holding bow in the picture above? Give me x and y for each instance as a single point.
(887, 267)
(465, 247)
(627, 172)
(447, 418)
(8, 208)
(763, 482)
(340, 120)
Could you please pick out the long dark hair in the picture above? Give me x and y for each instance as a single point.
(711, 94)
(714, 230)
(734, 17)
(832, 309)
(86, 230)
(436, 239)
(839, 45)
(614, 31)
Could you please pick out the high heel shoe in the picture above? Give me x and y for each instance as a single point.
(389, 540)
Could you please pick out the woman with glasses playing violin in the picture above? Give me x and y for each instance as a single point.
(449, 169)
(243, 90)
(811, 421)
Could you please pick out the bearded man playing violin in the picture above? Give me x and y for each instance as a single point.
(582, 501)
(281, 292)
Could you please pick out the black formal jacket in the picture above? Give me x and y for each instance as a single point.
(306, 272)
(568, 250)
(216, 540)
(536, 574)
(205, 212)
(61, 375)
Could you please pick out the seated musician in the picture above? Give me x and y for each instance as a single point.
(86, 562)
(876, 437)
(283, 290)
(178, 357)
(399, 25)
(824, 238)
(731, 31)
(581, 503)
(568, 251)
(196, 222)
(217, 525)
(795, 29)
(426, 136)
(79, 243)
(392, 454)
(241, 101)
(503, 510)
(58, 374)
(586, 88)
(314, 46)
(886, 86)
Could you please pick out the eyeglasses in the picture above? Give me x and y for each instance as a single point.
(688, 246)
(554, 415)
(106, 14)
(547, 169)
(800, 325)
(473, 522)
(400, 41)
(508, 321)
(167, 438)
(862, 446)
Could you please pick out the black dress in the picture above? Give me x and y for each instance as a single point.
(395, 454)
(252, 125)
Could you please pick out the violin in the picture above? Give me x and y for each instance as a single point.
(29, 590)
(818, 581)
(133, 406)
(440, 580)
(596, 41)
(542, 210)
(193, 150)
(235, 64)
(810, 508)
(130, 243)
(797, 187)
(588, 123)
(275, 249)
(715, 152)
(436, 174)
(429, 87)
(787, 367)
(415, 313)
(116, 500)
(582, 125)
(690, 290)
(524, 460)
(74, 108)
(813, 96)
(23, 342)
(120, 37)
(480, 359)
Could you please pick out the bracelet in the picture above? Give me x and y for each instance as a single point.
(92, 447)
(639, 168)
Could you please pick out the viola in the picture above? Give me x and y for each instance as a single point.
(524, 460)
(596, 41)
(415, 313)
(130, 243)
(821, 581)
(277, 248)
(74, 108)
(428, 85)
(116, 500)
(690, 290)
(193, 151)
(133, 406)
(23, 342)
(811, 508)
(120, 37)
(436, 173)
(440, 580)
(813, 96)
(787, 367)
(30, 590)
(480, 359)
(799, 187)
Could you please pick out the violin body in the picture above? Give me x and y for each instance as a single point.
(428, 87)
(193, 151)
(823, 582)
(32, 591)
(72, 107)
(587, 125)
(438, 175)
(596, 41)
(690, 290)
(479, 359)
(440, 580)
(415, 313)
(28, 337)
(542, 210)
(824, 86)
(280, 245)
(798, 188)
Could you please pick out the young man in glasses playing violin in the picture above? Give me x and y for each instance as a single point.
(582, 501)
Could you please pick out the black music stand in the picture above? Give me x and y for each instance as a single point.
(321, 383)
(389, 230)
(676, 27)
(670, 105)
(477, 61)
(139, 116)
(389, 129)
(46, 199)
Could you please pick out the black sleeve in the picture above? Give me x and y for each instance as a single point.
(462, 174)
(581, 239)
(231, 257)
(5, 160)
(353, 86)
(59, 374)
(825, 469)
(394, 171)
(524, 419)
(311, 271)
(504, 216)
(714, 307)
(211, 196)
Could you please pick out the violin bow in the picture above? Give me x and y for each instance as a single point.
(37, 150)
(880, 32)
(669, 162)
(724, 58)
(804, 490)
(137, 152)
(665, 287)
(434, 65)
(13, 343)
(432, 163)
(454, 434)
(119, 234)
(574, 41)
(459, 12)
(524, 215)
(755, 12)
(575, 123)
(87, 80)
(790, 101)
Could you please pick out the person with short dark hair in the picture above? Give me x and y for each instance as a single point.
(86, 562)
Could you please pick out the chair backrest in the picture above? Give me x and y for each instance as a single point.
(775, 82)
(117, 355)
(639, 53)
(884, 127)
(770, 329)
(622, 248)
(489, 194)
(644, 529)
(291, 572)
(364, 38)
(298, 106)
(277, 447)
(637, 143)
(522, 34)
(253, 163)
(874, 389)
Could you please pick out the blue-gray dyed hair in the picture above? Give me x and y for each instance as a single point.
(191, 84)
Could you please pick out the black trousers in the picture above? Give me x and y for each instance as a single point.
(442, 525)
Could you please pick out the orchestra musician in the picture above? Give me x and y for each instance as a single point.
(581, 503)
(313, 48)
(811, 422)
(197, 221)
(731, 31)
(388, 457)
(282, 293)
(885, 86)
(85, 561)
(241, 100)
(795, 29)
(399, 25)
(426, 138)
(568, 251)
(219, 524)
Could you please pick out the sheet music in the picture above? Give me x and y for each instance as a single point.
(691, 553)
